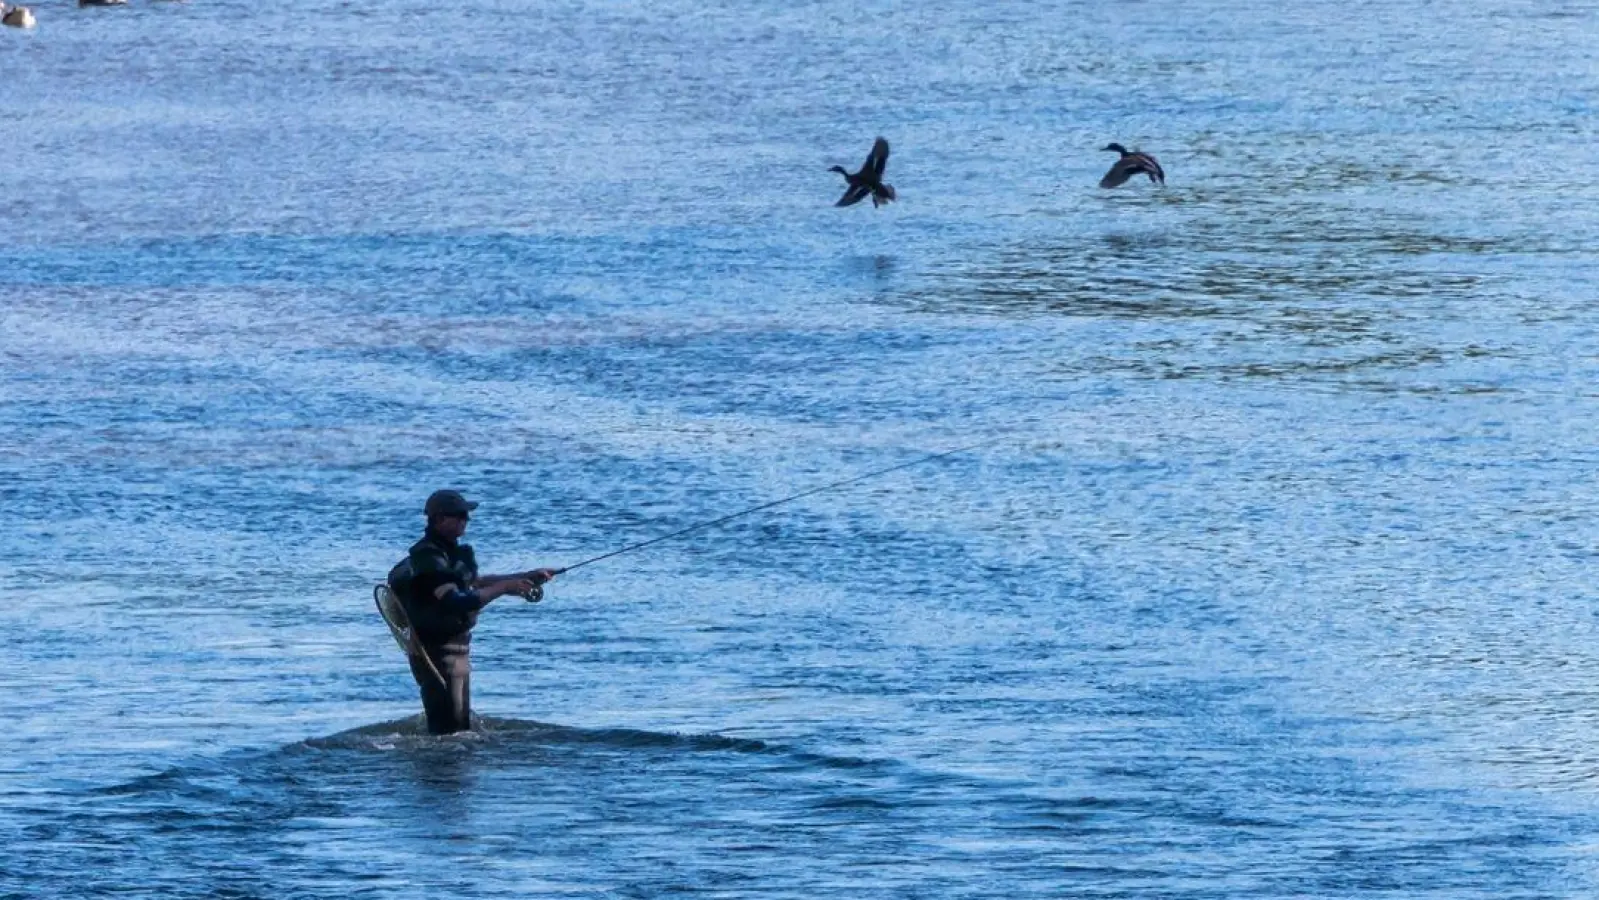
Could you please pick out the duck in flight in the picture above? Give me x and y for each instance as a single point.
(1131, 163)
(869, 180)
(16, 16)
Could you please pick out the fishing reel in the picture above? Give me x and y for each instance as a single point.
(538, 578)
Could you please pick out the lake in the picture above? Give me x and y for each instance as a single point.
(1270, 579)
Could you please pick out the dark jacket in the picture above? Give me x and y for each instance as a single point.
(432, 562)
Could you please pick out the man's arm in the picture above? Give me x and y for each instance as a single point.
(481, 594)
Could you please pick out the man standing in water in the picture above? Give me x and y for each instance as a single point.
(442, 592)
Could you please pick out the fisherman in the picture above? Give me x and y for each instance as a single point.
(440, 588)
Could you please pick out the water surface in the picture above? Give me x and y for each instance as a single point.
(1272, 585)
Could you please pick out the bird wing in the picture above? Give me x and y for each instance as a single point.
(1148, 165)
(853, 195)
(877, 160)
(1119, 172)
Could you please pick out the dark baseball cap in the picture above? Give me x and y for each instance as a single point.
(448, 503)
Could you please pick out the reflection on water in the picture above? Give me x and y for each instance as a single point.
(882, 266)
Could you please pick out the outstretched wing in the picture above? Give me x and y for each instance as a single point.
(877, 160)
(1152, 168)
(853, 195)
(1121, 170)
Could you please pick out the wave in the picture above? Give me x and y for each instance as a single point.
(491, 732)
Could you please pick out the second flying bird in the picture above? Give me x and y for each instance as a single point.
(869, 180)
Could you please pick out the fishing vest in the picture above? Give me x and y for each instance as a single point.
(414, 579)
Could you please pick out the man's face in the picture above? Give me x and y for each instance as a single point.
(452, 526)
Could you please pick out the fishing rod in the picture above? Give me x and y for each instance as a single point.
(789, 499)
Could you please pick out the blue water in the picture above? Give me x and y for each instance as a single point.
(1273, 581)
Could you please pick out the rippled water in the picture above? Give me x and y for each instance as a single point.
(1272, 584)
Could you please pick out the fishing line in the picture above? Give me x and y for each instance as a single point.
(755, 509)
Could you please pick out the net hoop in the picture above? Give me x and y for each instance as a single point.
(393, 616)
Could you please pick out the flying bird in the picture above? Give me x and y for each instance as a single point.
(16, 16)
(1129, 164)
(869, 180)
